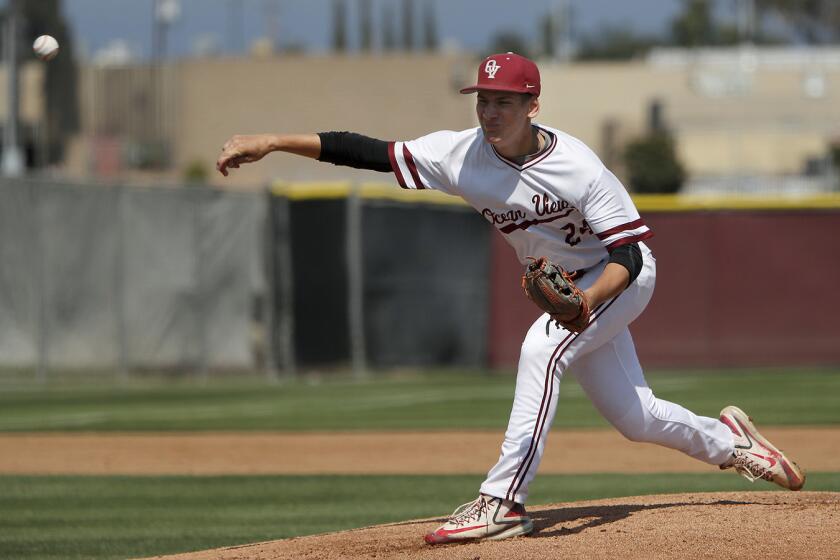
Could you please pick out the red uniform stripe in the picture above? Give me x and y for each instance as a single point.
(632, 239)
(409, 159)
(549, 382)
(618, 229)
(528, 223)
(533, 162)
(395, 166)
(540, 425)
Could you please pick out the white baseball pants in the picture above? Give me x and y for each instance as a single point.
(604, 361)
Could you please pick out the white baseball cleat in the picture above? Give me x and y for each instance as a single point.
(485, 518)
(755, 457)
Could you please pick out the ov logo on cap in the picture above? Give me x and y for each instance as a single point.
(520, 76)
(491, 68)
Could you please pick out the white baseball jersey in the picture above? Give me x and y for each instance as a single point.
(564, 204)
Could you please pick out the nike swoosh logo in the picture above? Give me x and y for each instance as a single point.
(529, 86)
(746, 435)
(445, 532)
(770, 460)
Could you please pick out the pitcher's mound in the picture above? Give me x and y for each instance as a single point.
(766, 525)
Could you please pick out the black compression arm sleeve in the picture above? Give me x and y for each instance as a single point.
(354, 150)
(630, 257)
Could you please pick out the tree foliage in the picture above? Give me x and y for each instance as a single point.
(695, 26)
(510, 41)
(408, 25)
(834, 154)
(652, 164)
(389, 34)
(615, 43)
(430, 32)
(339, 26)
(815, 21)
(548, 33)
(365, 25)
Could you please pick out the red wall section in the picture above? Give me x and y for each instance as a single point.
(734, 288)
(511, 313)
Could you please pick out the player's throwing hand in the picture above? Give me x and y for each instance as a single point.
(243, 149)
(248, 148)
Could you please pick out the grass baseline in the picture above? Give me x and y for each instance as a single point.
(116, 517)
(94, 517)
(421, 401)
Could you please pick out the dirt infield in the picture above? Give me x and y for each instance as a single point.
(735, 526)
(767, 525)
(568, 451)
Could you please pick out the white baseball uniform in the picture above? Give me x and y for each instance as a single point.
(566, 205)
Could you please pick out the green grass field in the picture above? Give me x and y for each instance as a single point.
(122, 517)
(126, 517)
(442, 401)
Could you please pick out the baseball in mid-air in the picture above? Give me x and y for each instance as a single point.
(45, 47)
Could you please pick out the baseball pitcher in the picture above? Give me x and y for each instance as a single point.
(581, 239)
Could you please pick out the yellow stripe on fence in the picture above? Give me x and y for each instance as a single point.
(371, 191)
(311, 191)
(644, 202)
(687, 203)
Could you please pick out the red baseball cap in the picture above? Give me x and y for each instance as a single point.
(507, 72)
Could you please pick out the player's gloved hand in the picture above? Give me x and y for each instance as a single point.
(552, 290)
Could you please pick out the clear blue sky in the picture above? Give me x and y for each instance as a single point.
(470, 23)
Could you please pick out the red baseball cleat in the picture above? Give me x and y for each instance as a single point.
(485, 518)
(755, 457)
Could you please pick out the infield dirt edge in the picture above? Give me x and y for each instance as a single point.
(250, 453)
(732, 525)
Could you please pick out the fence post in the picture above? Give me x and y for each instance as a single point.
(355, 281)
(282, 329)
(198, 197)
(119, 283)
(39, 285)
(267, 312)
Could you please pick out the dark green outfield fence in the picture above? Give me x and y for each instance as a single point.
(382, 281)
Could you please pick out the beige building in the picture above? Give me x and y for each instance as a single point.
(734, 111)
(203, 102)
(31, 108)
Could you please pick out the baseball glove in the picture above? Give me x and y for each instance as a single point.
(552, 289)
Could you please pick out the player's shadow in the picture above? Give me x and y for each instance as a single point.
(549, 522)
